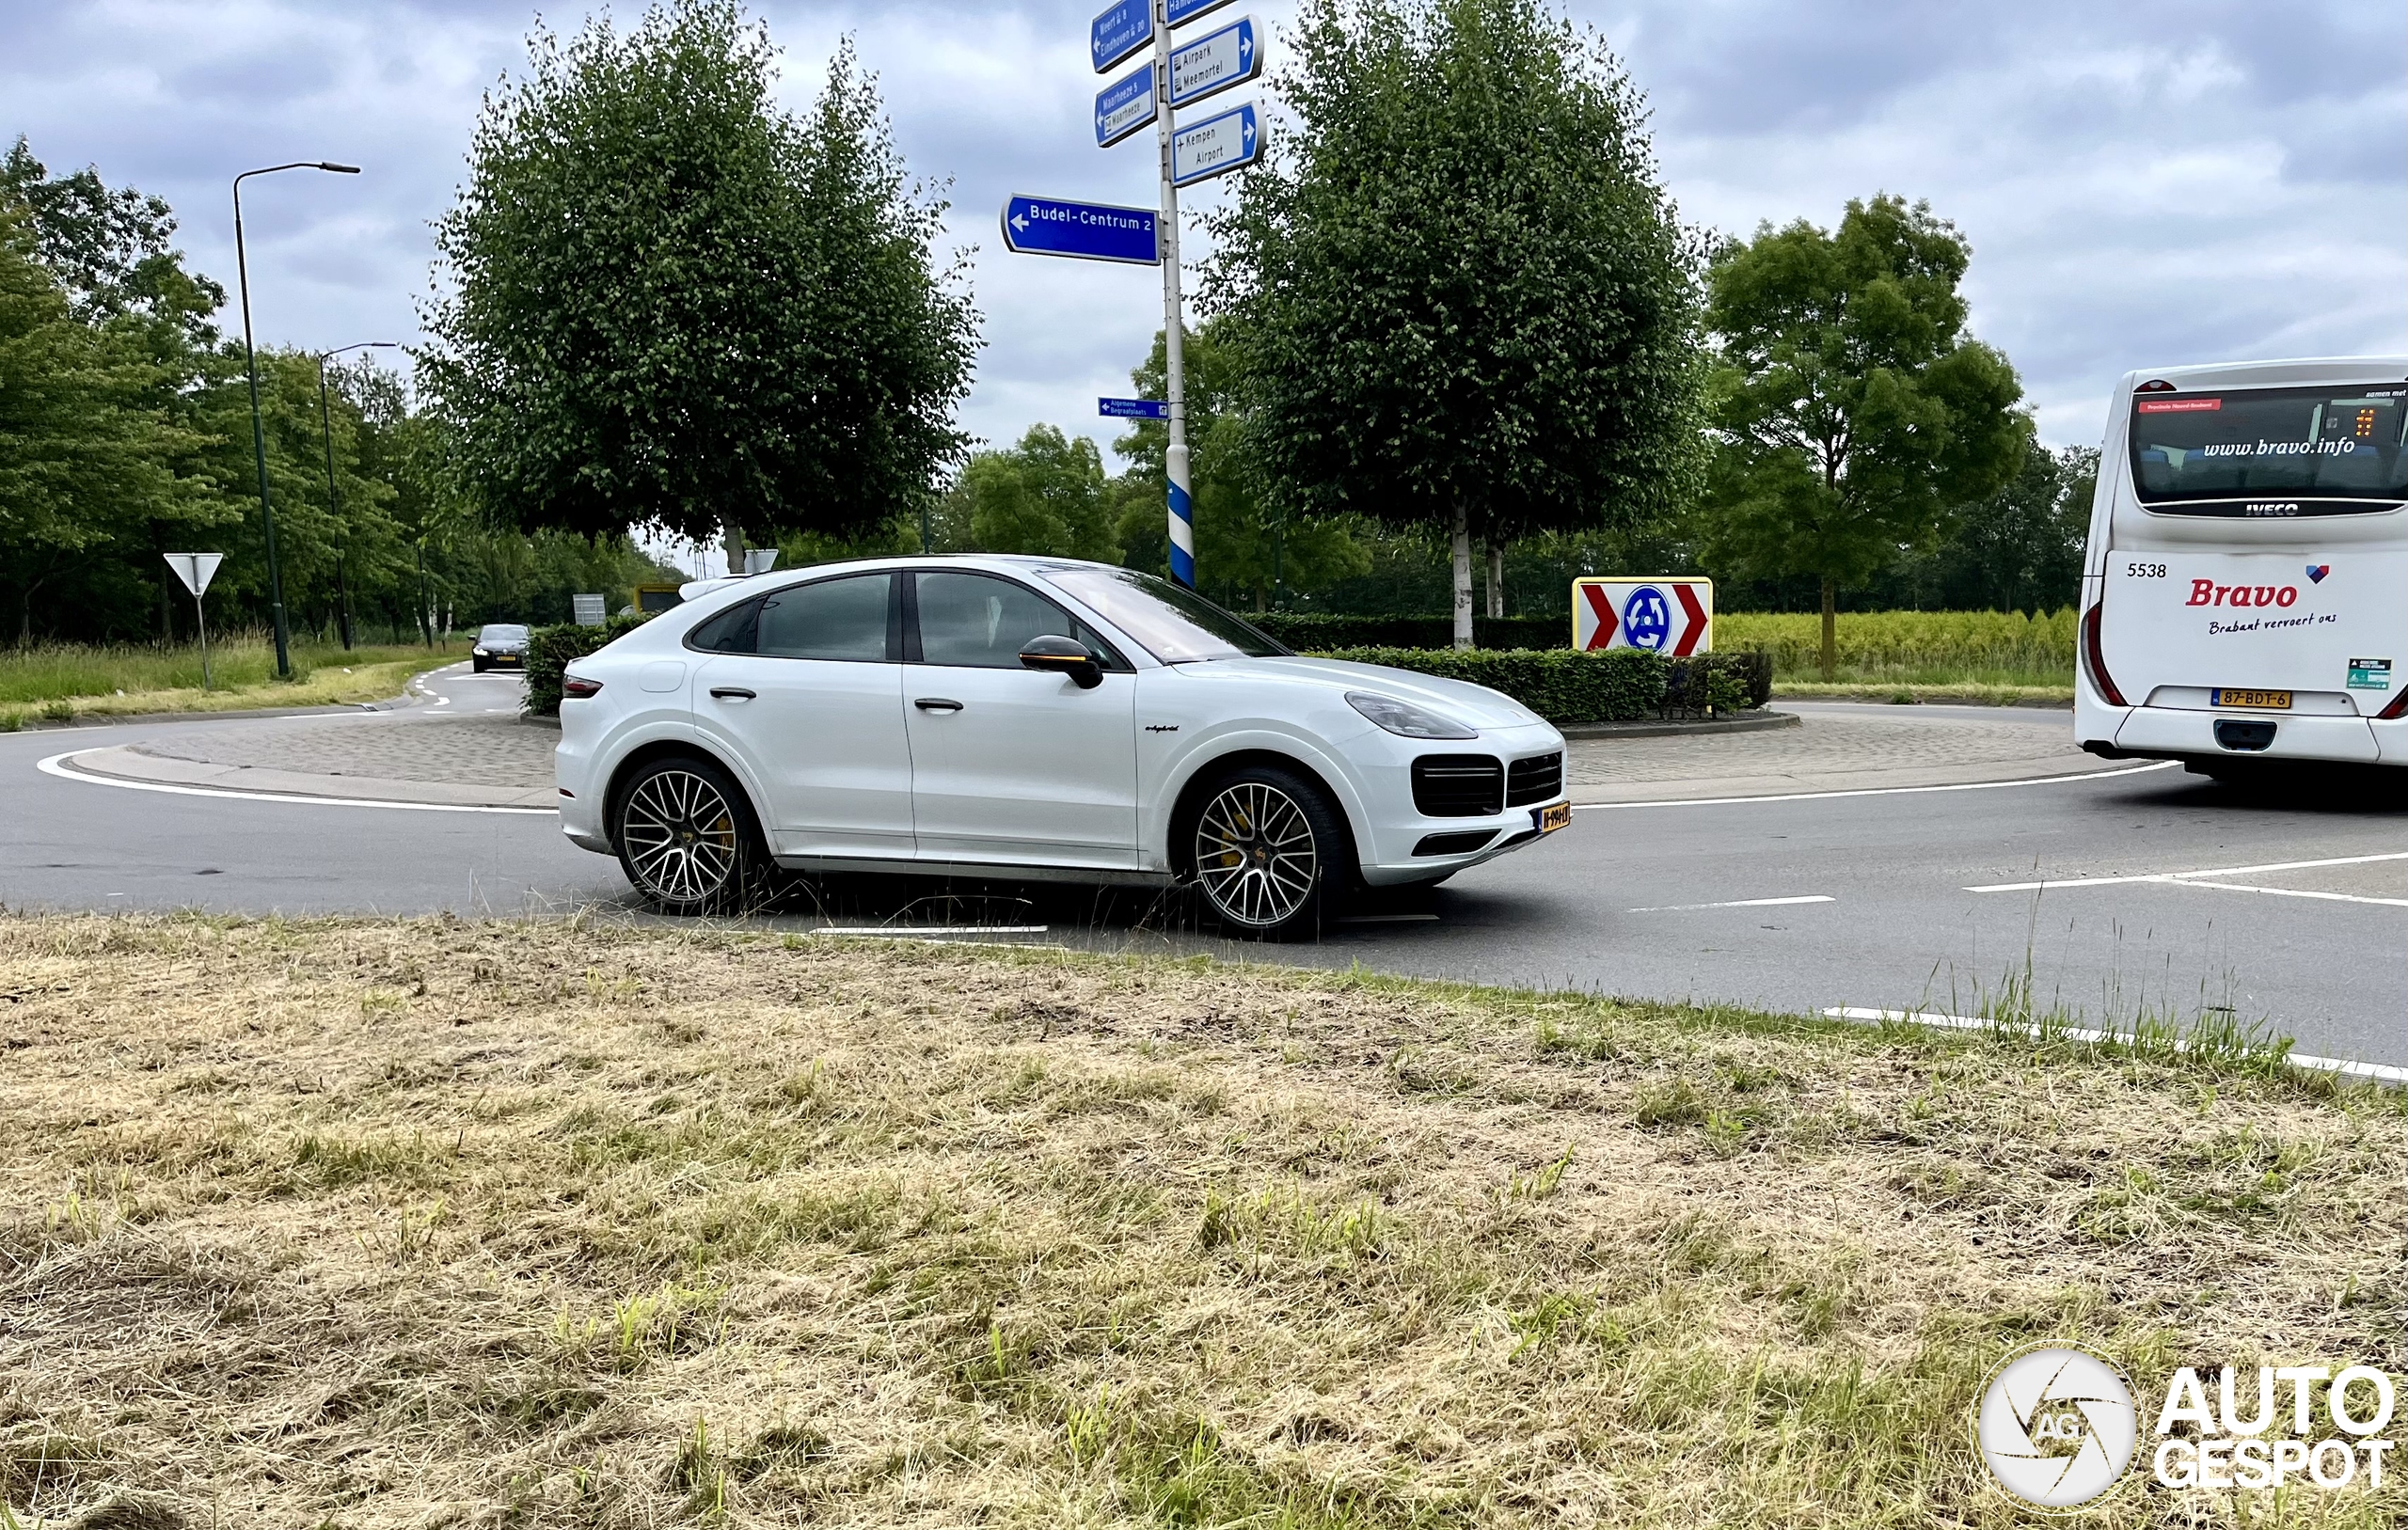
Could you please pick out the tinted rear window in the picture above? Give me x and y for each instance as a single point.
(2252, 451)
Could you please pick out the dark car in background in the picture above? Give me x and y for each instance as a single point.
(500, 645)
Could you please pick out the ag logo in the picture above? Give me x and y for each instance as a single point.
(2056, 1427)
(1647, 618)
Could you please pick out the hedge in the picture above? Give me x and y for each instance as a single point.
(1320, 631)
(1573, 690)
(549, 651)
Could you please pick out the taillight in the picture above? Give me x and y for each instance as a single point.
(576, 688)
(2090, 650)
(2397, 709)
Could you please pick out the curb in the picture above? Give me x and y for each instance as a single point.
(1750, 722)
(127, 764)
(119, 719)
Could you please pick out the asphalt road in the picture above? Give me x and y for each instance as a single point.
(1827, 900)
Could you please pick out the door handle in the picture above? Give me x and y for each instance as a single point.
(937, 703)
(730, 693)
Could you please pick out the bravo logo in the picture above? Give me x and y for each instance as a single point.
(1671, 617)
(2209, 592)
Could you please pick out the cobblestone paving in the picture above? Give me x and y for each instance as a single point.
(1823, 751)
(1826, 746)
(475, 752)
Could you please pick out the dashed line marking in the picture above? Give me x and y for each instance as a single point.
(1741, 902)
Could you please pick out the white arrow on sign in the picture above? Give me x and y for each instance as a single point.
(196, 569)
(1215, 145)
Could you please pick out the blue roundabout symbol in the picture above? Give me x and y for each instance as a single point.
(1647, 618)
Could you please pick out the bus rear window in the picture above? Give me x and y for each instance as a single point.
(2331, 450)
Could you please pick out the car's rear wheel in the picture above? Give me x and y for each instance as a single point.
(687, 839)
(1267, 849)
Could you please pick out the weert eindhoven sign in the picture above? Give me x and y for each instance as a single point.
(1082, 230)
(1125, 27)
(1215, 145)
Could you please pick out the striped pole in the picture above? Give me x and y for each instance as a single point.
(1183, 508)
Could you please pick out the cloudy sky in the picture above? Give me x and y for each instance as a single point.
(2142, 183)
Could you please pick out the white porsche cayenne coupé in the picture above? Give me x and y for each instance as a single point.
(1031, 718)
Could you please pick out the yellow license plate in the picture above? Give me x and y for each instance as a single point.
(2263, 701)
(1553, 818)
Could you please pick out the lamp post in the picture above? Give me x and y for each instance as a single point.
(259, 433)
(334, 502)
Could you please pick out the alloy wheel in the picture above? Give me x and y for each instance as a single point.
(680, 837)
(1255, 855)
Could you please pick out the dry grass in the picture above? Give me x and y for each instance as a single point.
(431, 1223)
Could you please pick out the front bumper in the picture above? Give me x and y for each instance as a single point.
(1399, 846)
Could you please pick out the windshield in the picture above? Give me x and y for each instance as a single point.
(1175, 625)
(502, 634)
(2191, 451)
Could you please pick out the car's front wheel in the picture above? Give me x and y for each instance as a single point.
(687, 839)
(1267, 850)
(478, 665)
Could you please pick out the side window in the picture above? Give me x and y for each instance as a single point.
(835, 619)
(730, 632)
(977, 621)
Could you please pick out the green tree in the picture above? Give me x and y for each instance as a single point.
(1245, 546)
(669, 303)
(1045, 496)
(86, 458)
(1463, 298)
(1852, 408)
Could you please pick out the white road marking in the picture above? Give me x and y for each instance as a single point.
(941, 937)
(1879, 791)
(55, 767)
(2185, 875)
(1743, 903)
(2380, 1072)
(1386, 919)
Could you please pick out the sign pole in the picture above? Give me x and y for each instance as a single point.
(1182, 507)
(200, 615)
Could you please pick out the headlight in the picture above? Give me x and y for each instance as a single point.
(1405, 720)
(481, 653)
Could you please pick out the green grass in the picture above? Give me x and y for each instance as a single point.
(57, 682)
(1958, 652)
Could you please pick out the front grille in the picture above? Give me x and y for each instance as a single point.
(1457, 786)
(1538, 778)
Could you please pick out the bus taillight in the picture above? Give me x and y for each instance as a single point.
(2090, 650)
(2397, 709)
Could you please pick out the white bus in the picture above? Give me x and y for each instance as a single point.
(2245, 595)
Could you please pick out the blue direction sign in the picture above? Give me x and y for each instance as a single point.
(1183, 12)
(1133, 408)
(1215, 145)
(1122, 108)
(1214, 62)
(1082, 230)
(1124, 27)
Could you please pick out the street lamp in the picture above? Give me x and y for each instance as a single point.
(259, 433)
(334, 502)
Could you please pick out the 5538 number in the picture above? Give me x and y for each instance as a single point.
(2144, 571)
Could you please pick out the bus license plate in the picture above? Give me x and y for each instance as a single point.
(1555, 817)
(2262, 701)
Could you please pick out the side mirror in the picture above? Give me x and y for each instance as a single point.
(1062, 655)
